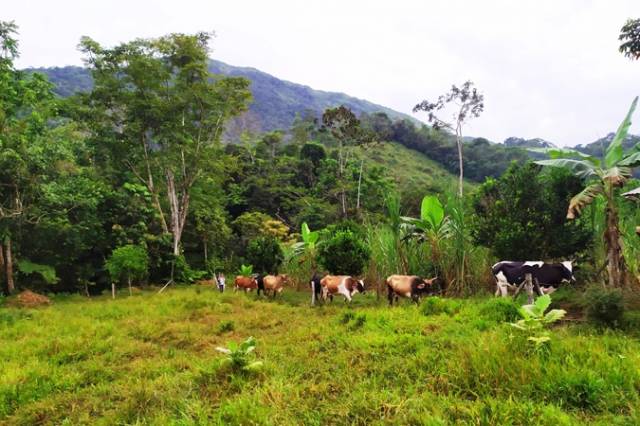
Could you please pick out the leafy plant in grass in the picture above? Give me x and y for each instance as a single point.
(240, 357)
(602, 178)
(127, 262)
(225, 326)
(431, 227)
(604, 306)
(534, 320)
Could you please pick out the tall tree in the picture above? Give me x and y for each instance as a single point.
(603, 178)
(162, 114)
(25, 107)
(630, 38)
(468, 102)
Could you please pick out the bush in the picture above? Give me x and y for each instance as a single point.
(265, 254)
(604, 306)
(128, 263)
(499, 310)
(437, 305)
(225, 326)
(344, 254)
(184, 273)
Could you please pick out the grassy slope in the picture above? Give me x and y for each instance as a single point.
(415, 174)
(150, 359)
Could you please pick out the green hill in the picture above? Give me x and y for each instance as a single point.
(275, 102)
(414, 173)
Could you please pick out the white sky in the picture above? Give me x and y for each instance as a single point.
(548, 69)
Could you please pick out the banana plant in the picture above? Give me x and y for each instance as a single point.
(246, 270)
(432, 226)
(602, 179)
(306, 250)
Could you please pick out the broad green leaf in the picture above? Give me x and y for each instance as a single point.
(581, 168)
(554, 315)
(539, 340)
(305, 231)
(223, 350)
(614, 151)
(564, 153)
(542, 303)
(632, 160)
(583, 199)
(432, 211)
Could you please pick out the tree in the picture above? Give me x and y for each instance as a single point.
(265, 254)
(469, 103)
(161, 112)
(630, 38)
(345, 128)
(344, 253)
(602, 179)
(26, 105)
(127, 263)
(529, 225)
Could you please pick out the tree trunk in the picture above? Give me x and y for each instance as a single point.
(179, 208)
(113, 290)
(616, 265)
(460, 161)
(359, 184)
(8, 261)
(2, 266)
(129, 282)
(206, 256)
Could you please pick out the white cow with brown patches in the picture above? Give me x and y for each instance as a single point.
(274, 283)
(340, 284)
(409, 286)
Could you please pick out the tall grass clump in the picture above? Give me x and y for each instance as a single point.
(604, 306)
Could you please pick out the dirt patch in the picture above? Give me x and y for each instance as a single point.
(29, 299)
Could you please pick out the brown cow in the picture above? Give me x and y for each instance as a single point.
(340, 284)
(245, 283)
(274, 283)
(410, 286)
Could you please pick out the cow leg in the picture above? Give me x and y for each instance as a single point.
(390, 295)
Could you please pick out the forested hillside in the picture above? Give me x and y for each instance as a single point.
(275, 103)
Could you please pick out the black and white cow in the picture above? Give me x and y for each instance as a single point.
(548, 276)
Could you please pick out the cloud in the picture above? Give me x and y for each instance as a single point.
(548, 69)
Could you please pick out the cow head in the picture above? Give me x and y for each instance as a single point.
(360, 286)
(285, 278)
(567, 271)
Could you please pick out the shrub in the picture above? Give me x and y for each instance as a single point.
(265, 254)
(225, 326)
(604, 306)
(128, 263)
(344, 253)
(184, 273)
(499, 310)
(239, 356)
(437, 305)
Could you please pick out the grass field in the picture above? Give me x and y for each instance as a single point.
(151, 359)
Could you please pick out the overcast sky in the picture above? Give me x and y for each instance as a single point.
(548, 69)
